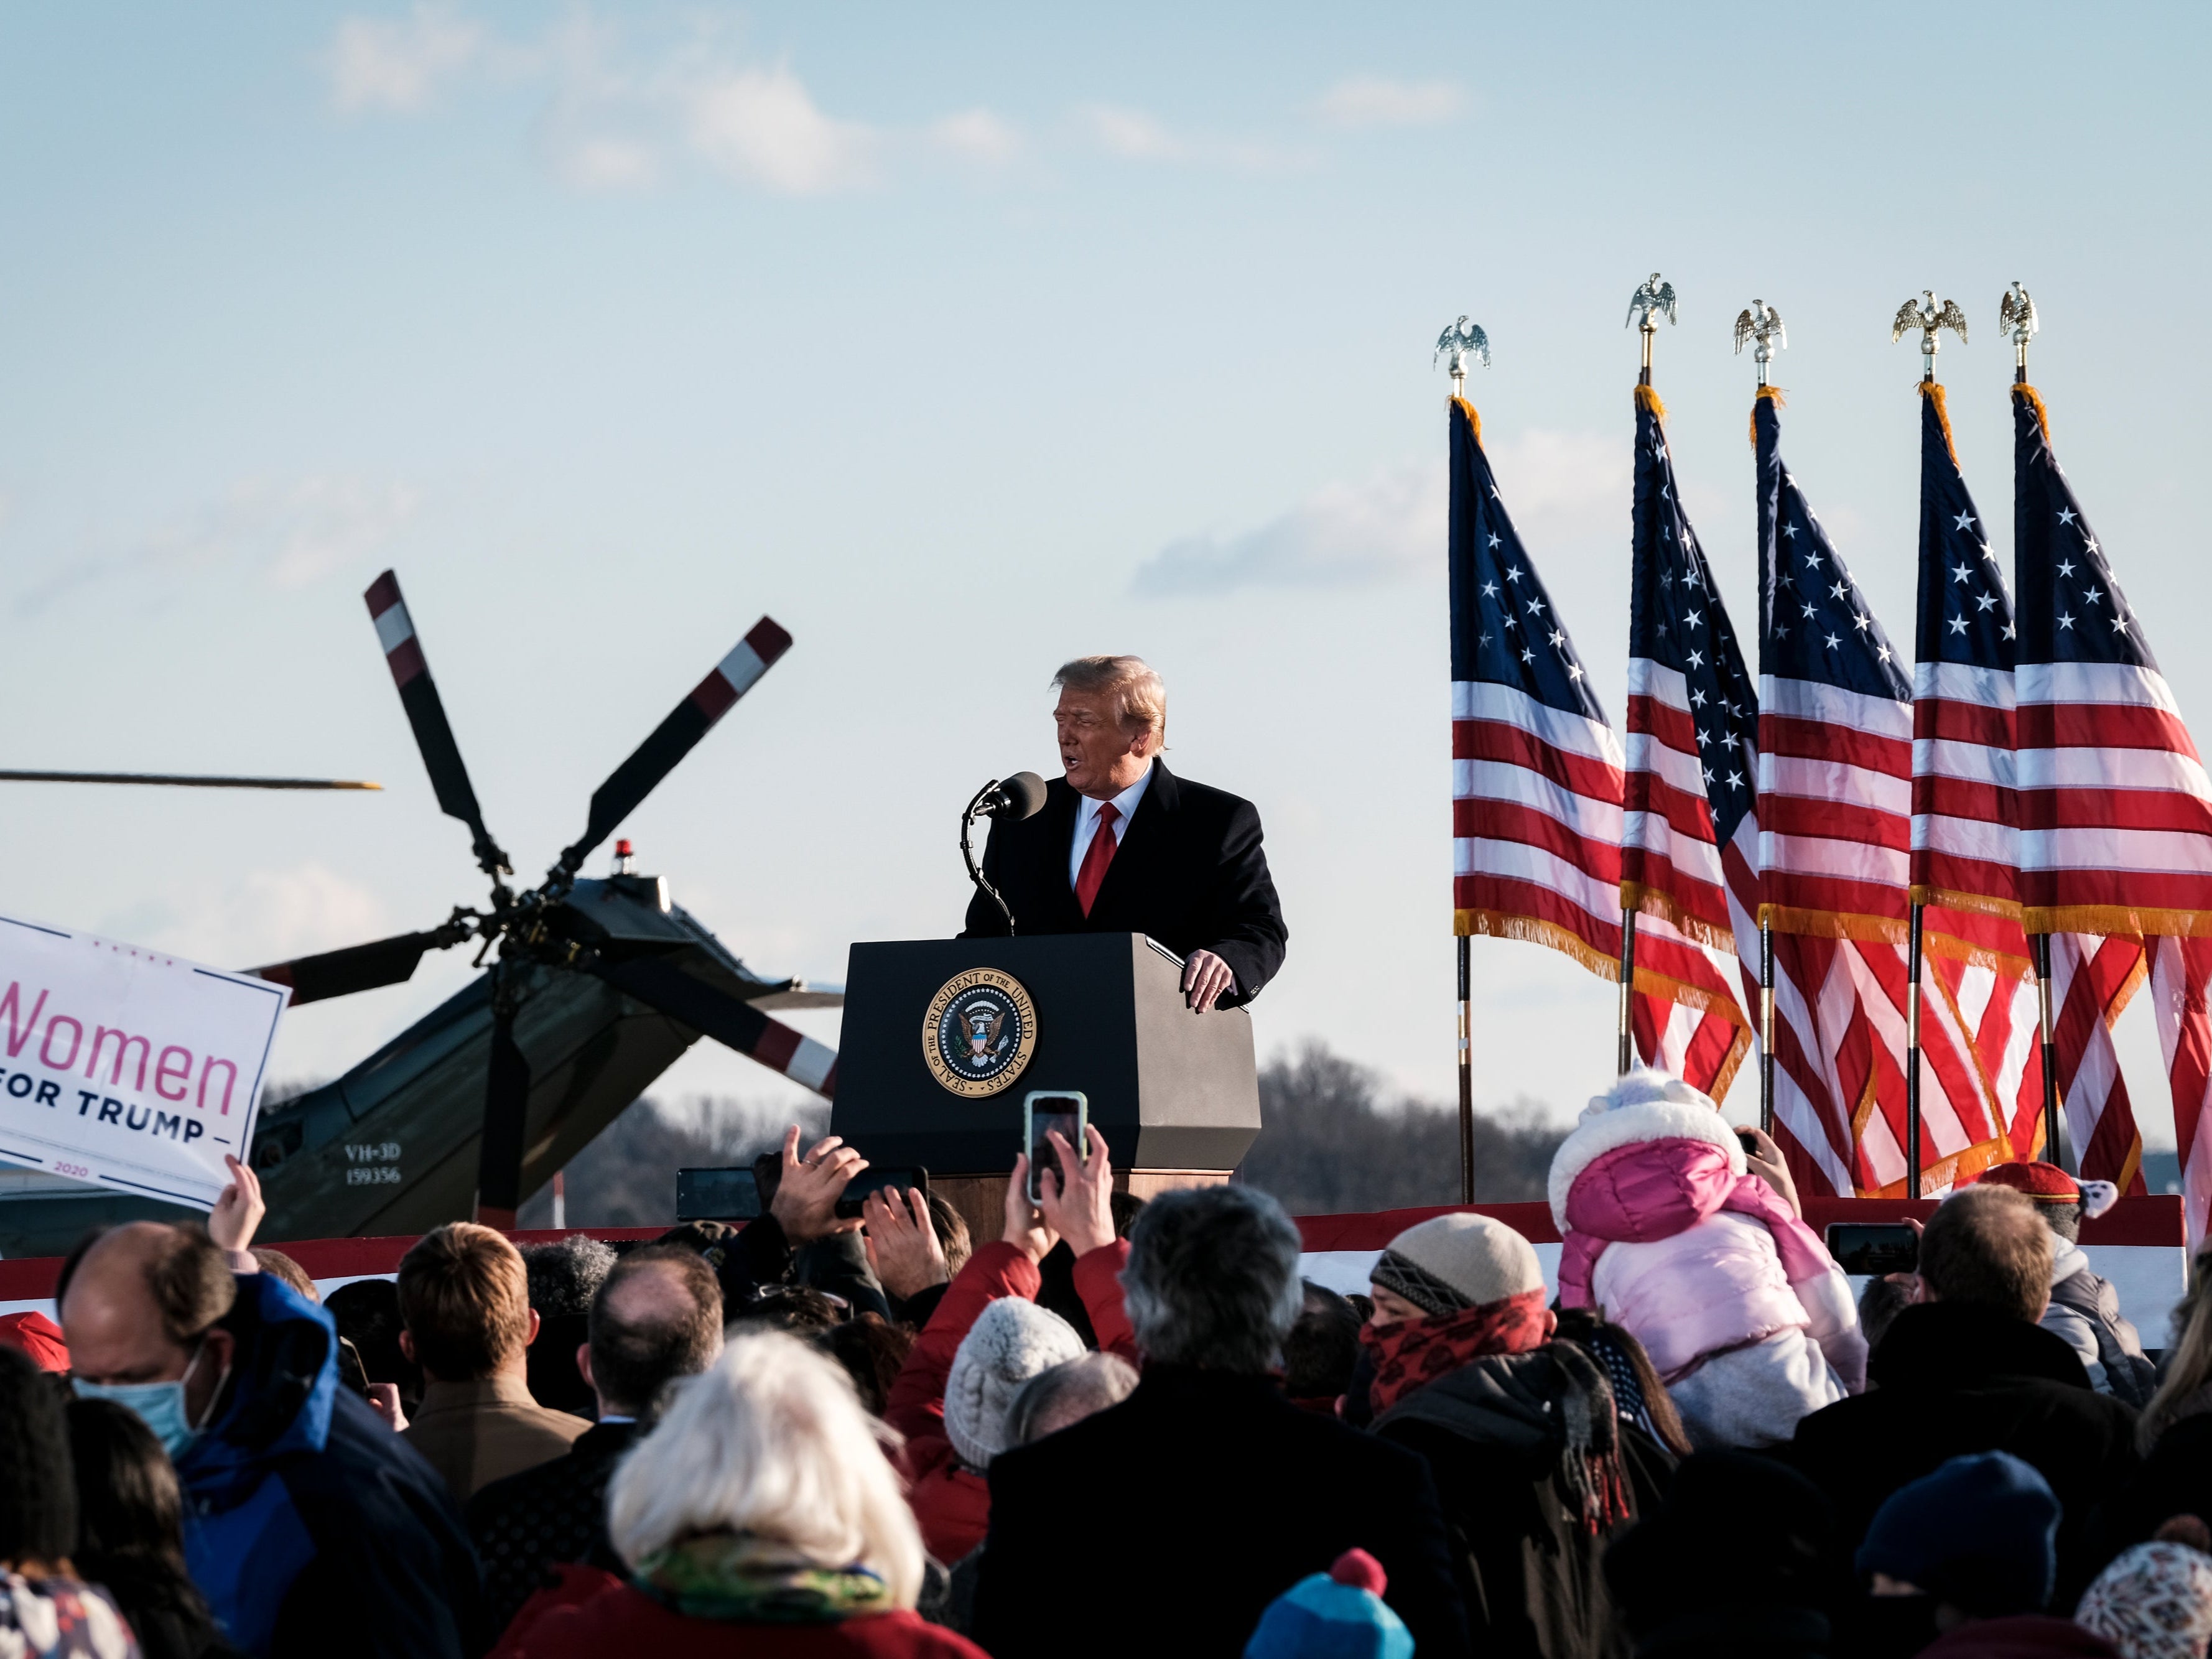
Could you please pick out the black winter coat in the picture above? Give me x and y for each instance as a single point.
(1949, 1379)
(1493, 1434)
(1166, 1524)
(525, 1525)
(2175, 1479)
(1188, 871)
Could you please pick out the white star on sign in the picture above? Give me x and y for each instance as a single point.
(1958, 625)
(2066, 622)
(2066, 516)
(1964, 521)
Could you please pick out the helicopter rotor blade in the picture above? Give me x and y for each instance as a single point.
(730, 1021)
(425, 713)
(505, 1115)
(356, 968)
(677, 736)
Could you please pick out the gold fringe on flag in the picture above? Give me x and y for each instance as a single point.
(1980, 905)
(1650, 902)
(1669, 989)
(1473, 418)
(1780, 402)
(1951, 948)
(1834, 924)
(2122, 919)
(1501, 924)
(1648, 399)
(2034, 400)
(1933, 391)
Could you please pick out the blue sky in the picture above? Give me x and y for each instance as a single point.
(963, 344)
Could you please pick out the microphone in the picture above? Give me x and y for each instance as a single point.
(1019, 796)
(1012, 799)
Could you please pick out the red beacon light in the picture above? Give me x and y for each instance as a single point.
(624, 864)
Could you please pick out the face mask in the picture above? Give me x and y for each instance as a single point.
(160, 1406)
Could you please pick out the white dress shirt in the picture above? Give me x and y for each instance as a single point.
(1086, 821)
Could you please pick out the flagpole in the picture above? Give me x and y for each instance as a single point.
(1465, 1077)
(1766, 1026)
(1912, 1055)
(1648, 327)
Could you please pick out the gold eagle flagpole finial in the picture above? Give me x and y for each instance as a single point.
(1461, 340)
(2016, 312)
(1653, 299)
(1927, 313)
(1762, 323)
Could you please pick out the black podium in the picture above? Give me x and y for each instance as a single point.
(943, 1038)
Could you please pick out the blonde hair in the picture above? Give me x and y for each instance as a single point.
(771, 1441)
(464, 1297)
(2189, 1364)
(1140, 697)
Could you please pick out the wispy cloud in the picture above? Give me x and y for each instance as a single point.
(1372, 100)
(290, 533)
(1136, 134)
(763, 127)
(1560, 486)
(400, 64)
(619, 113)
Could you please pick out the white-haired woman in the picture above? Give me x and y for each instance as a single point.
(761, 1518)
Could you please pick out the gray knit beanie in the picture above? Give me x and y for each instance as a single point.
(1451, 1262)
(1010, 1342)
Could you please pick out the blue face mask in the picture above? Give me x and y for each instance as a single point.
(160, 1406)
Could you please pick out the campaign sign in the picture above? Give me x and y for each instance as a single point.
(126, 1066)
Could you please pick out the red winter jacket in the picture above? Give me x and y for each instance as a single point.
(591, 1614)
(953, 1501)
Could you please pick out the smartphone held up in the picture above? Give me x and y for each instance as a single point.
(1044, 1110)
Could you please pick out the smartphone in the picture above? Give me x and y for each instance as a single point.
(1045, 1109)
(895, 1176)
(718, 1194)
(1867, 1250)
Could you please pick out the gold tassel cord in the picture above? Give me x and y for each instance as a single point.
(1473, 419)
(1933, 391)
(1648, 401)
(1765, 393)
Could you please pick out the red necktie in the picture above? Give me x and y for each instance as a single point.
(1096, 858)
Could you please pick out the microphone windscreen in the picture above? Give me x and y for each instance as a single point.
(1024, 794)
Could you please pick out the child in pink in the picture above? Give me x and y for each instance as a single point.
(1747, 1317)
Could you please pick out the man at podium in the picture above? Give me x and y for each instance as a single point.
(1123, 846)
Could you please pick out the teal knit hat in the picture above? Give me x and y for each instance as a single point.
(1337, 1614)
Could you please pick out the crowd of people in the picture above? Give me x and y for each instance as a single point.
(1122, 1428)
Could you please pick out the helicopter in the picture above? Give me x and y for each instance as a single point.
(590, 989)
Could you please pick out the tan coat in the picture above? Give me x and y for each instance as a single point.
(475, 1433)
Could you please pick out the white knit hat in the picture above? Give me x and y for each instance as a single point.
(1010, 1342)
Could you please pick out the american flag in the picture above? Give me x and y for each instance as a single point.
(1689, 834)
(1536, 769)
(1965, 862)
(1835, 771)
(2116, 812)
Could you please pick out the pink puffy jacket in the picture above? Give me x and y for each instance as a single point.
(1665, 1229)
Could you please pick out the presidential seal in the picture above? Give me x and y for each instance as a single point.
(980, 1032)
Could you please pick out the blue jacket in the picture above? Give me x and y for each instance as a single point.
(310, 1527)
